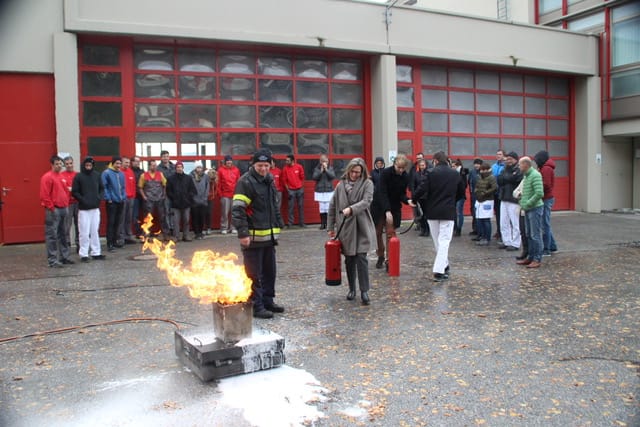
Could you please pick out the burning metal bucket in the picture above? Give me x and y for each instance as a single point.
(233, 322)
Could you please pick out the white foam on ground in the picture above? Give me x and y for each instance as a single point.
(283, 396)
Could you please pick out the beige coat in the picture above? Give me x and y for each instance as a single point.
(358, 233)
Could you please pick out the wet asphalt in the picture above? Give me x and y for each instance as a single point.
(496, 345)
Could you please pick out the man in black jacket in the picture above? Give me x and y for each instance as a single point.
(508, 181)
(180, 191)
(439, 191)
(388, 196)
(87, 190)
(255, 215)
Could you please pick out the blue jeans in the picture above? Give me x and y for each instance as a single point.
(549, 243)
(483, 226)
(533, 226)
(460, 213)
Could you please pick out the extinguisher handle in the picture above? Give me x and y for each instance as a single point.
(344, 218)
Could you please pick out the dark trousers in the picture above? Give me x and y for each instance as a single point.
(198, 216)
(496, 209)
(260, 266)
(357, 266)
(296, 197)
(484, 228)
(157, 210)
(472, 208)
(137, 208)
(208, 218)
(115, 210)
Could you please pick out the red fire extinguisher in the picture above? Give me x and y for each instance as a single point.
(393, 250)
(332, 252)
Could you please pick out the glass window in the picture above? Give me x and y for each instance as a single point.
(316, 118)
(100, 55)
(535, 105)
(404, 96)
(512, 125)
(348, 144)
(462, 123)
(275, 90)
(276, 117)
(341, 70)
(237, 89)
(155, 86)
(150, 144)
(558, 107)
(534, 146)
(278, 143)
(102, 114)
(236, 63)
(625, 84)
(511, 104)
(462, 146)
(434, 76)
(562, 168)
(547, 6)
(196, 60)
(487, 102)
(433, 144)
(155, 115)
(197, 116)
(436, 99)
(197, 87)
(626, 34)
(558, 128)
(488, 146)
(461, 78)
(461, 101)
(238, 143)
(198, 144)
(272, 66)
(153, 58)
(534, 84)
(101, 84)
(511, 82)
(313, 143)
(558, 87)
(594, 22)
(405, 146)
(559, 148)
(487, 81)
(435, 122)
(342, 93)
(512, 144)
(406, 121)
(237, 116)
(311, 68)
(346, 119)
(536, 127)
(403, 73)
(312, 92)
(103, 146)
(489, 125)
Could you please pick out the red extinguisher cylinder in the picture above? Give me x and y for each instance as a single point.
(333, 273)
(394, 256)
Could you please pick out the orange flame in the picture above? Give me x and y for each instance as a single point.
(210, 278)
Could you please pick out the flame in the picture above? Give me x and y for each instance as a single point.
(210, 278)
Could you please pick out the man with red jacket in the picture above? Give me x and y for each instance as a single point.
(276, 172)
(67, 176)
(547, 168)
(293, 182)
(130, 189)
(55, 200)
(228, 176)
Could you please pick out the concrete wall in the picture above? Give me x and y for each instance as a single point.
(636, 173)
(26, 34)
(384, 106)
(617, 174)
(347, 25)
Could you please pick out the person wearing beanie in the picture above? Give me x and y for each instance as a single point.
(228, 176)
(508, 181)
(323, 175)
(114, 195)
(87, 189)
(258, 222)
(547, 168)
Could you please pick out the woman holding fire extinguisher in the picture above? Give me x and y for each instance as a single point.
(349, 211)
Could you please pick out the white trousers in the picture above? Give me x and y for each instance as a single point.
(88, 225)
(441, 233)
(510, 224)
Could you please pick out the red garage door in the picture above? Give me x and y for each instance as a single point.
(27, 141)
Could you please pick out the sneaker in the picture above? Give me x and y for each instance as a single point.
(482, 242)
(476, 239)
(84, 259)
(98, 257)
(473, 233)
(303, 225)
(262, 313)
(511, 248)
(67, 261)
(234, 231)
(223, 232)
(546, 253)
(275, 308)
(502, 246)
(56, 265)
(439, 277)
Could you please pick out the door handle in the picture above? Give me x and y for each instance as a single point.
(5, 190)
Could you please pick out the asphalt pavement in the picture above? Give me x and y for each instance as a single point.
(497, 344)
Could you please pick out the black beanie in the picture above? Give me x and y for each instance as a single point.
(262, 155)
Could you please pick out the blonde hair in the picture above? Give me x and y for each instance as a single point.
(401, 160)
(358, 161)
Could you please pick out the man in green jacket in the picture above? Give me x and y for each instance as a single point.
(533, 206)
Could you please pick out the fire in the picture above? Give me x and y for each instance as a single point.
(210, 278)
